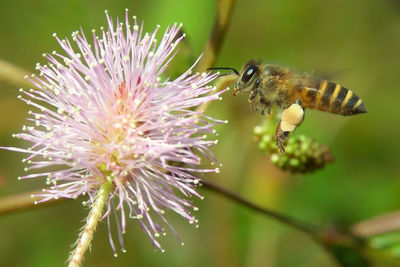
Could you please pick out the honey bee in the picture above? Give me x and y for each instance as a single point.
(270, 84)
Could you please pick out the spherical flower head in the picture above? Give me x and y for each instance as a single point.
(103, 112)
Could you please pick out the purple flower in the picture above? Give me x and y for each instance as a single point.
(104, 111)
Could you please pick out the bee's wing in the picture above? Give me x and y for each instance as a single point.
(299, 86)
(296, 80)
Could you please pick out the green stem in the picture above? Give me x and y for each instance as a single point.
(86, 236)
(214, 44)
(302, 226)
(13, 75)
(221, 83)
(218, 33)
(324, 236)
(337, 244)
(24, 201)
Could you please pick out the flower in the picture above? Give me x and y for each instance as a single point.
(103, 111)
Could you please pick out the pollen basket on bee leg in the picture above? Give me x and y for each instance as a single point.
(293, 114)
(287, 127)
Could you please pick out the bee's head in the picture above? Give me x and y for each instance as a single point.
(247, 76)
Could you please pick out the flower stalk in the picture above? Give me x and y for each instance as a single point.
(12, 74)
(218, 33)
(95, 214)
(297, 224)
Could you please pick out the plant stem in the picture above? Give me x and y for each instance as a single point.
(378, 225)
(13, 75)
(24, 201)
(86, 236)
(332, 241)
(221, 83)
(329, 239)
(218, 33)
(302, 226)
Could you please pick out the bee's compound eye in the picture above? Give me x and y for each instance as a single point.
(249, 73)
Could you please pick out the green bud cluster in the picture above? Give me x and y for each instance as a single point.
(303, 154)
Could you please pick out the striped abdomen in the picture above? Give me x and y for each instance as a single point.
(332, 97)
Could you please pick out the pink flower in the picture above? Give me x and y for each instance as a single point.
(103, 111)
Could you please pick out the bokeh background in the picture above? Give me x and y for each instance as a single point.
(356, 42)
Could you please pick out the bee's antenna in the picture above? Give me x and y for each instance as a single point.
(225, 74)
(225, 68)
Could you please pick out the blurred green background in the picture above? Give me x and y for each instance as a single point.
(357, 42)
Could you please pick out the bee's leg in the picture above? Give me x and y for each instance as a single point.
(266, 107)
(253, 95)
(280, 138)
(252, 100)
(255, 91)
(291, 118)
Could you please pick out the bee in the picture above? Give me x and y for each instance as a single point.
(270, 84)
